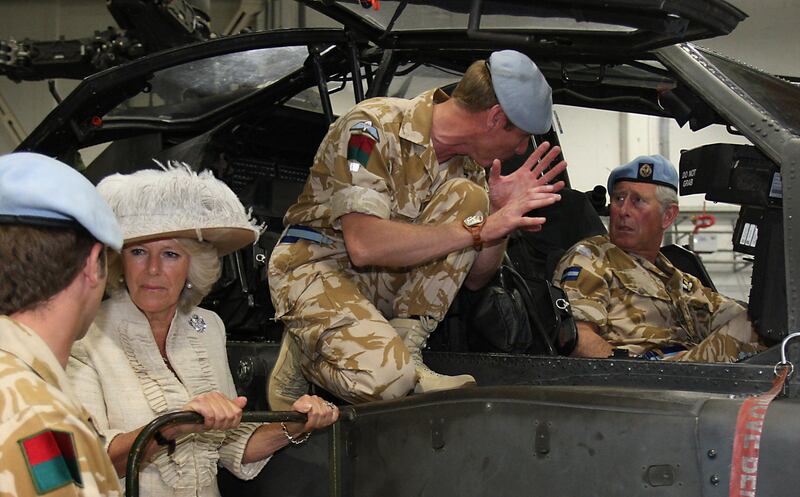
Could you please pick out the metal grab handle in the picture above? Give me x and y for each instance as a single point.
(784, 362)
(188, 417)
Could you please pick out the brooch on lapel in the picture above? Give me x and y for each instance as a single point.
(197, 323)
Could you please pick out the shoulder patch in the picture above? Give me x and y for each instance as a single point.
(366, 128)
(51, 460)
(363, 137)
(583, 250)
(571, 274)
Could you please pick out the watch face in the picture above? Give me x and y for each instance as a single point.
(474, 220)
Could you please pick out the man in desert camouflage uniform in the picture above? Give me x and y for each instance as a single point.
(395, 216)
(54, 228)
(626, 295)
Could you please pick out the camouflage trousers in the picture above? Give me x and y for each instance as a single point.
(339, 315)
(730, 342)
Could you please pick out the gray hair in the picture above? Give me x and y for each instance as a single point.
(204, 270)
(666, 196)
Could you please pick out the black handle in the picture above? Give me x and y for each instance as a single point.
(188, 417)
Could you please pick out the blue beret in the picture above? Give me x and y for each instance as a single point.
(38, 190)
(522, 91)
(645, 169)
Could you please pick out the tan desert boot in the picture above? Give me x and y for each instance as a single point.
(415, 334)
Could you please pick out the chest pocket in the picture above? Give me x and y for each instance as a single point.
(640, 307)
(643, 284)
(685, 310)
(700, 311)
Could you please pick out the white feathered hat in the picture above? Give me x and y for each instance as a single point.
(176, 202)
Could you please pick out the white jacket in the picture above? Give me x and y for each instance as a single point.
(118, 373)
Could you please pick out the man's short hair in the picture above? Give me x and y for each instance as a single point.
(38, 263)
(666, 196)
(475, 91)
(50, 218)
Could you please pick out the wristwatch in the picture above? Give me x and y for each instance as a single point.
(474, 224)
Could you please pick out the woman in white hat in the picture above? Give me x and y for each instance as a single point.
(153, 350)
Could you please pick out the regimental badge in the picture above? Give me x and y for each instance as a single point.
(363, 137)
(51, 459)
(645, 170)
(571, 274)
(687, 284)
(198, 323)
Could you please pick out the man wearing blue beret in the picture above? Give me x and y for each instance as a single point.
(394, 218)
(626, 295)
(54, 230)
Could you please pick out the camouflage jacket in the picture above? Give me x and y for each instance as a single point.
(377, 159)
(638, 305)
(48, 444)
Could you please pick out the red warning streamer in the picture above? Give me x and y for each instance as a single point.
(747, 439)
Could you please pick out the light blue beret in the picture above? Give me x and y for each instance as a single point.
(645, 169)
(38, 190)
(522, 91)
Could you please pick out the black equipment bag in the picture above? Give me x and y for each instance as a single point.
(500, 315)
(553, 315)
(514, 317)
